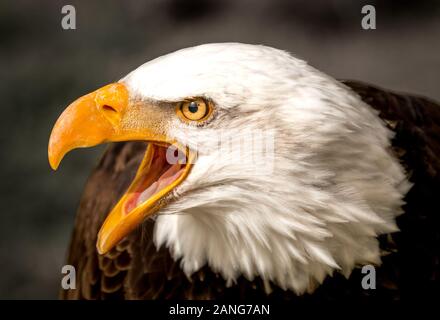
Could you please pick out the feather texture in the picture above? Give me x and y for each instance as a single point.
(136, 270)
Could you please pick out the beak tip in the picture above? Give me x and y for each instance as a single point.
(52, 154)
(53, 165)
(99, 250)
(100, 245)
(53, 161)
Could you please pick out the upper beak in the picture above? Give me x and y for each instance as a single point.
(108, 115)
(90, 120)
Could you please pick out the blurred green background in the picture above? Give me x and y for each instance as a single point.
(43, 68)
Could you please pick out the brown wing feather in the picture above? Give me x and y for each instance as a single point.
(102, 276)
(416, 121)
(136, 270)
(413, 266)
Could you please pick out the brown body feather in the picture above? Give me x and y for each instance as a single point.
(136, 270)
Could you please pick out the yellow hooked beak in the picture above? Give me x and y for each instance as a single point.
(107, 115)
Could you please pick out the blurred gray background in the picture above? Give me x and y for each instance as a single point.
(43, 68)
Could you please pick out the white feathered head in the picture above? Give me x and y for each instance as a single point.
(276, 169)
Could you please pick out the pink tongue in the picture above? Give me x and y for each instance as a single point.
(147, 193)
(170, 172)
(165, 179)
(163, 182)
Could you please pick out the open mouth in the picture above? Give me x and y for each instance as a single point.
(108, 115)
(162, 169)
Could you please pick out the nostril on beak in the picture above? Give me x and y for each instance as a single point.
(111, 113)
(108, 108)
(111, 101)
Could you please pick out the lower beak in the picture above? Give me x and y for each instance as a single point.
(104, 116)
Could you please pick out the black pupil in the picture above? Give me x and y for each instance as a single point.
(193, 107)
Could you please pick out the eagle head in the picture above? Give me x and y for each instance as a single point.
(257, 164)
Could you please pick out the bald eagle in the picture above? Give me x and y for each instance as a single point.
(350, 177)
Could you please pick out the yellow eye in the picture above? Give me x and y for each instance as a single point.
(194, 110)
